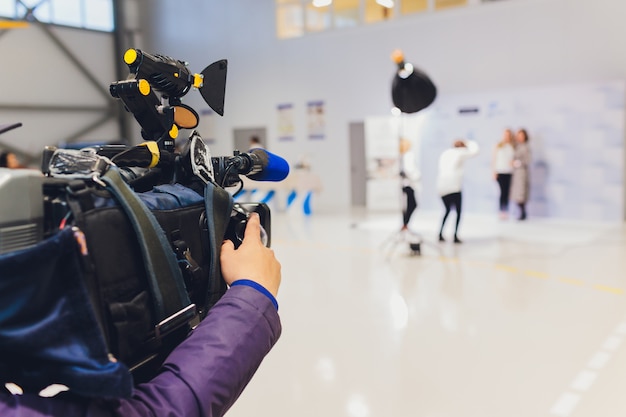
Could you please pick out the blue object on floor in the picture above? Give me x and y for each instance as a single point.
(291, 197)
(268, 196)
(306, 206)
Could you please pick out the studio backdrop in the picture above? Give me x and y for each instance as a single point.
(576, 138)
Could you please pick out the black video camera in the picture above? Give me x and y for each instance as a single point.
(151, 217)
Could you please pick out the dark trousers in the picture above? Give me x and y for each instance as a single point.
(504, 181)
(410, 204)
(449, 201)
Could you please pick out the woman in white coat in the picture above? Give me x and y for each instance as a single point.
(450, 180)
(410, 176)
(502, 165)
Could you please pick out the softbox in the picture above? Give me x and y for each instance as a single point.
(411, 89)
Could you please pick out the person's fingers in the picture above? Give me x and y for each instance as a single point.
(228, 261)
(228, 245)
(253, 229)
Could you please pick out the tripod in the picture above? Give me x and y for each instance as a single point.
(402, 237)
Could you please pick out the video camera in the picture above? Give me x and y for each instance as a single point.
(151, 217)
(152, 93)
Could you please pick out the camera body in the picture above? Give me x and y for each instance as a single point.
(142, 225)
(142, 181)
(66, 194)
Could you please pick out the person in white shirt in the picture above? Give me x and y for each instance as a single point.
(450, 180)
(410, 176)
(502, 165)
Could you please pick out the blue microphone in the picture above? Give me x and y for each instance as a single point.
(261, 165)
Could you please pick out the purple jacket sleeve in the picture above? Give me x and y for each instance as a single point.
(203, 376)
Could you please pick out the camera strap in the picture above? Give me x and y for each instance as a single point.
(171, 301)
(218, 205)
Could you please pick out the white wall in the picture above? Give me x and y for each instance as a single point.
(46, 92)
(502, 45)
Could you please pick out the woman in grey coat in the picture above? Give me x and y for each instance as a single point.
(520, 181)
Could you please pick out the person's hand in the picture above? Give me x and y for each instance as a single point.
(252, 260)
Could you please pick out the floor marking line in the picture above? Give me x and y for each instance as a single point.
(537, 274)
(621, 329)
(571, 281)
(565, 404)
(612, 343)
(584, 380)
(599, 360)
(534, 274)
(506, 268)
(608, 289)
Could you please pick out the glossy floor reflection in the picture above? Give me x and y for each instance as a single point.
(524, 319)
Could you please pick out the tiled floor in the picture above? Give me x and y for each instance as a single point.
(524, 319)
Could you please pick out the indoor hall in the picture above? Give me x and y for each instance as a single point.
(522, 319)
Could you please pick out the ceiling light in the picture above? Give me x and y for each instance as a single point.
(385, 3)
(322, 3)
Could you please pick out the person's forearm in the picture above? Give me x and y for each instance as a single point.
(208, 371)
(203, 376)
(472, 147)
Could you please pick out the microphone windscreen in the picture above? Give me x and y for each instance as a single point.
(274, 168)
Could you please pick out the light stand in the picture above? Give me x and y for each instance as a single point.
(405, 235)
(411, 91)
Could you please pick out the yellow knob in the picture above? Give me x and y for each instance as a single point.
(130, 56)
(198, 80)
(144, 87)
(174, 132)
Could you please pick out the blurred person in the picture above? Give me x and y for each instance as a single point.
(255, 142)
(450, 180)
(207, 372)
(502, 165)
(9, 159)
(520, 180)
(410, 176)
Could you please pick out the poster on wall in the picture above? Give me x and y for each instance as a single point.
(285, 122)
(315, 119)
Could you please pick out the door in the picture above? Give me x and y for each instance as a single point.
(358, 175)
(243, 137)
